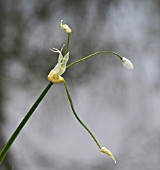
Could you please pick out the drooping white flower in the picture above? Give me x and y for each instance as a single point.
(55, 74)
(65, 27)
(108, 152)
(127, 63)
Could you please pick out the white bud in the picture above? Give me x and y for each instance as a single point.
(127, 63)
(108, 152)
(65, 27)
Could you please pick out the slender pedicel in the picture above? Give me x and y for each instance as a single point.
(94, 54)
(77, 117)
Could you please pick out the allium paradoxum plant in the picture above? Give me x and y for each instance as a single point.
(55, 76)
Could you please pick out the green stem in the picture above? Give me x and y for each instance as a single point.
(75, 114)
(23, 122)
(91, 55)
(67, 45)
(7, 146)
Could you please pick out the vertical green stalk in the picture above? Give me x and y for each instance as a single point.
(67, 45)
(23, 122)
(77, 117)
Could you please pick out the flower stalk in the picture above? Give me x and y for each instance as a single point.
(77, 117)
(67, 45)
(94, 54)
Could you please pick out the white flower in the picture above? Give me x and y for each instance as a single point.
(127, 63)
(55, 74)
(108, 152)
(65, 27)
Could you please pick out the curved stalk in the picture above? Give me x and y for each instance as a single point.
(91, 55)
(77, 117)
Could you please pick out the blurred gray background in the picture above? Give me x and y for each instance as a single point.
(120, 107)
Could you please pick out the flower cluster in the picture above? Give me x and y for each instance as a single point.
(55, 77)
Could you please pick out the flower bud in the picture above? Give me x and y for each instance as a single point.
(108, 152)
(54, 78)
(55, 74)
(127, 63)
(65, 27)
